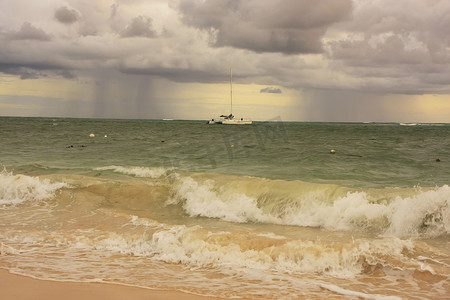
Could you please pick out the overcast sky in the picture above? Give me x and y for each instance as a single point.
(305, 60)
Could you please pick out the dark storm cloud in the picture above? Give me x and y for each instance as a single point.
(29, 32)
(287, 26)
(270, 90)
(23, 72)
(66, 74)
(177, 74)
(140, 26)
(32, 70)
(67, 15)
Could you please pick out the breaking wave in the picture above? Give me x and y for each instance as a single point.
(15, 189)
(136, 171)
(400, 213)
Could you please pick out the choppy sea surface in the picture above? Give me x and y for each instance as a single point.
(262, 211)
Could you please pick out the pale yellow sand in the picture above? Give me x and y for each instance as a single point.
(15, 287)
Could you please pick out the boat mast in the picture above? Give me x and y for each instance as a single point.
(231, 91)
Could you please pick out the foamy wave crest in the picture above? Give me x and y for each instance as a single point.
(425, 214)
(239, 253)
(414, 213)
(15, 189)
(201, 199)
(136, 171)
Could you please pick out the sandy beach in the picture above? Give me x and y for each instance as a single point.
(15, 287)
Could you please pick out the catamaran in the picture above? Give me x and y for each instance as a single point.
(230, 119)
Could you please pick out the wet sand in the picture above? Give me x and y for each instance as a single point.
(16, 287)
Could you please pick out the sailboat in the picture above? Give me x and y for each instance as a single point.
(230, 119)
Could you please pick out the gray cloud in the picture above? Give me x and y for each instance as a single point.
(29, 32)
(178, 74)
(25, 73)
(33, 70)
(22, 71)
(398, 48)
(114, 7)
(66, 74)
(140, 26)
(67, 15)
(270, 90)
(287, 26)
(88, 29)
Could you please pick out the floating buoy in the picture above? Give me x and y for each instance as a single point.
(332, 151)
(162, 141)
(106, 136)
(92, 135)
(232, 146)
(438, 160)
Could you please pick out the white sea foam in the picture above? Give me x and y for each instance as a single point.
(424, 258)
(344, 213)
(15, 189)
(242, 255)
(271, 235)
(426, 213)
(233, 253)
(7, 250)
(136, 171)
(345, 292)
(201, 199)
(136, 221)
(238, 253)
(421, 214)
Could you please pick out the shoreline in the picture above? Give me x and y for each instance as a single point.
(19, 287)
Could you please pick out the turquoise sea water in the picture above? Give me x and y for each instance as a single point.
(262, 211)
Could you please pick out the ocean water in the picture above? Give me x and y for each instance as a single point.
(263, 211)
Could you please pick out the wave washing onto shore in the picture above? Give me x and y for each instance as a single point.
(220, 234)
(223, 263)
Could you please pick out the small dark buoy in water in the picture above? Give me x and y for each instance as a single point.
(333, 151)
(162, 141)
(438, 160)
